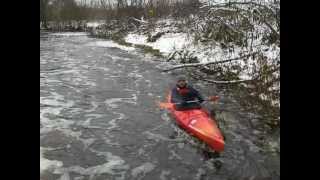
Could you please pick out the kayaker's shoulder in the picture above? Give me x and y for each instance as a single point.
(189, 86)
(174, 88)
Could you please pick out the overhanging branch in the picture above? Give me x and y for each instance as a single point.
(208, 63)
(221, 82)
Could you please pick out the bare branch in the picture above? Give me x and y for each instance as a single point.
(222, 5)
(269, 26)
(222, 82)
(227, 25)
(241, 3)
(208, 63)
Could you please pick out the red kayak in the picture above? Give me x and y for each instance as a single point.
(198, 123)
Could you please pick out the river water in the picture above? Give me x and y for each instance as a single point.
(99, 120)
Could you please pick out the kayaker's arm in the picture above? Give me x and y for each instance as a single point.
(175, 97)
(198, 95)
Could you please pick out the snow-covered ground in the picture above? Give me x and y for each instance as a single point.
(94, 24)
(166, 44)
(171, 42)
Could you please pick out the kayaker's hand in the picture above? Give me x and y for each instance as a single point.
(201, 101)
(214, 98)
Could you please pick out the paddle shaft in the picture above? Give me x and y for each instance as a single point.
(189, 102)
(209, 99)
(169, 105)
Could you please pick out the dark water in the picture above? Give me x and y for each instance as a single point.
(99, 120)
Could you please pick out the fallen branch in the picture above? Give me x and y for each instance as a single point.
(141, 21)
(227, 82)
(171, 56)
(207, 63)
(221, 82)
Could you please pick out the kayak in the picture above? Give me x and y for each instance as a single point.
(198, 123)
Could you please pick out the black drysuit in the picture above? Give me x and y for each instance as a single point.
(181, 96)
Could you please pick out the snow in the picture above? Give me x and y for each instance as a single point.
(170, 42)
(208, 52)
(136, 39)
(94, 24)
(165, 44)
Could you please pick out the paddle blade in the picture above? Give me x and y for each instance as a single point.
(214, 98)
(164, 105)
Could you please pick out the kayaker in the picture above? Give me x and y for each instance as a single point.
(182, 93)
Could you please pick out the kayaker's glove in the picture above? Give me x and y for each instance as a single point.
(201, 101)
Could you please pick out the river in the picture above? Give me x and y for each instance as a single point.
(99, 119)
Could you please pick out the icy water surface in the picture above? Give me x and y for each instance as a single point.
(99, 120)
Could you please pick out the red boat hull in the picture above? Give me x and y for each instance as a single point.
(198, 123)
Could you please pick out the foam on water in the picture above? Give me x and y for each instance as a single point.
(65, 176)
(110, 44)
(112, 124)
(116, 58)
(163, 174)
(94, 107)
(174, 155)
(88, 142)
(165, 117)
(114, 166)
(46, 164)
(58, 124)
(159, 137)
(74, 75)
(113, 102)
(140, 171)
(199, 174)
(93, 115)
(49, 82)
(135, 75)
(52, 106)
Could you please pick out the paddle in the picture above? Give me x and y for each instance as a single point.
(166, 105)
